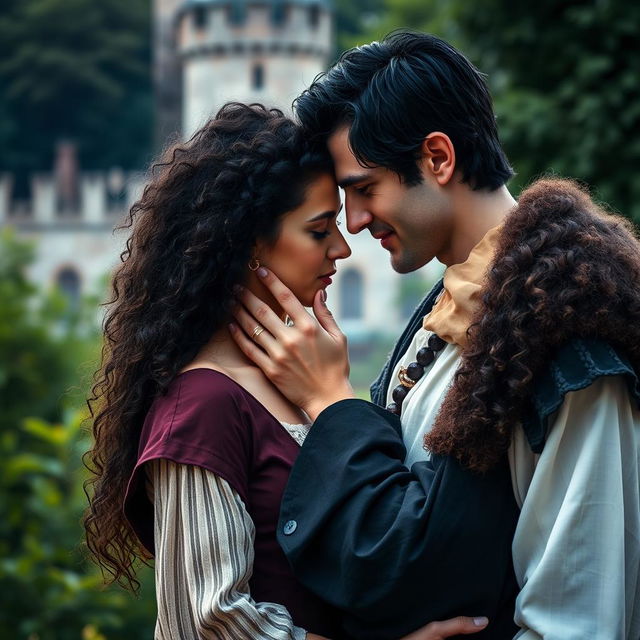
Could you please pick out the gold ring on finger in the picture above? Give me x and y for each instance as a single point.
(256, 332)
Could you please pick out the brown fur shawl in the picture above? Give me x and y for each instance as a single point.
(563, 268)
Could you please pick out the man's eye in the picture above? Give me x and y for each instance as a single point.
(364, 191)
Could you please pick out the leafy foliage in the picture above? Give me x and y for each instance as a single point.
(75, 69)
(564, 78)
(42, 342)
(48, 588)
(571, 100)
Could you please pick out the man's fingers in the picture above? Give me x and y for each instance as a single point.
(282, 294)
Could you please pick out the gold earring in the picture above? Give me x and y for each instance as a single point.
(254, 264)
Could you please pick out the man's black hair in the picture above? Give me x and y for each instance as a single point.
(395, 92)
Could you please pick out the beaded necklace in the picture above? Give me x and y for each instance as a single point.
(410, 374)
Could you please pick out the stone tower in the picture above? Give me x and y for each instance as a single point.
(167, 80)
(248, 50)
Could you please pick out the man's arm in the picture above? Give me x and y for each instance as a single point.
(577, 544)
(393, 547)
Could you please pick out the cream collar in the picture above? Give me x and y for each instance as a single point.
(451, 315)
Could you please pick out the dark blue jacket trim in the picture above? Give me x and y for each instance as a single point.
(379, 386)
(577, 365)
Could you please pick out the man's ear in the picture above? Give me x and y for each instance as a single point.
(438, 157)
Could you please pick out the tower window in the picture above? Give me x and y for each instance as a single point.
(237, 14)
(200, 17)
(314, 16)
(257, 77)
(279, 14)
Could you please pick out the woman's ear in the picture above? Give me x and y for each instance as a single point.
(438, 157)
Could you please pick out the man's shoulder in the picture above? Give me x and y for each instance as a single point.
(576, 365)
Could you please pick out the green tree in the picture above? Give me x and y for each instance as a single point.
(353, 18)
(564, 78)
(48, 588)
(43, 342)
(570, 102)
(75, 69)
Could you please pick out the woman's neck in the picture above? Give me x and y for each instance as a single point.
(221, 349)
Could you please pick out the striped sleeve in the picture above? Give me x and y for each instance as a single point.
(204, 558)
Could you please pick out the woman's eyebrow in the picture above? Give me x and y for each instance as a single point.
(326, 214)
(322, 216)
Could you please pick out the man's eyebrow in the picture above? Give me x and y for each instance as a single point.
(353, 179)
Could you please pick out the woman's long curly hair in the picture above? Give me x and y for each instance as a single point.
(564, 268)
(193, 232)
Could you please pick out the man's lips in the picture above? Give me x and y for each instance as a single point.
(383, 236)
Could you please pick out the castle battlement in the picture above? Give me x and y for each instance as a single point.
(233, 28)
(96, 200)
(206, 52)
(264, 51)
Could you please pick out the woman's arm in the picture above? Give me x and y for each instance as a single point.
(204, 557)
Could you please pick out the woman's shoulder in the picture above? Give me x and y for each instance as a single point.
(205, 389)
(203, 412)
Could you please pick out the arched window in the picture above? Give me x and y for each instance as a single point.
(351, 295)
(200, 17)
(257, 77)
(68, 282)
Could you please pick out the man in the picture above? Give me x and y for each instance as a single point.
(519, 373)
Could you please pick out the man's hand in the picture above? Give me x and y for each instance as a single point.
(308, 361)
(453, 627)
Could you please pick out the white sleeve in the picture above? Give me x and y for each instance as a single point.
(577, 545)
(204, 558)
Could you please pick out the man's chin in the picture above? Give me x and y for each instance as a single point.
(400, 264)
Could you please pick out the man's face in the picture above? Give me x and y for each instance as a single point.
(414, 224)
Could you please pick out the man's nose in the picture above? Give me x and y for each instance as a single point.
(358, 218)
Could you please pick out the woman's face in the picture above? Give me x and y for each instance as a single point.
(309, 243)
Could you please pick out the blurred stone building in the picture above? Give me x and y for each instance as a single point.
(206, 52)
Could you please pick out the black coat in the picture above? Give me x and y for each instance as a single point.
(396, 548)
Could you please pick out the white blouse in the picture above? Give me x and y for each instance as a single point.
(576, 549)
(204, 540)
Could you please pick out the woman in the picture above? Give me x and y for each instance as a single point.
(190, 436)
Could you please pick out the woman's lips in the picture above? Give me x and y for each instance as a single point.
(326, 278)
